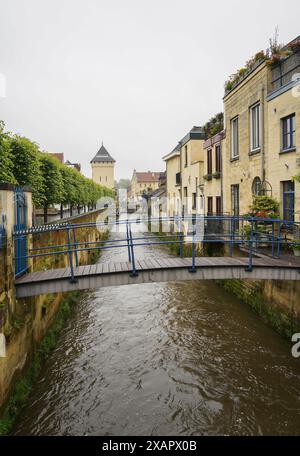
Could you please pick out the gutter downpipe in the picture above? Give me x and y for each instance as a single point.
(263, 170)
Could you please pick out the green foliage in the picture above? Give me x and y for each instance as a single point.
(6, 162)
(27, 166)
(238, 75)
(214, 126)
(54, 186)
(25, 384)
(22, 163)
(296, 178)
(284, 322)
(265, 207)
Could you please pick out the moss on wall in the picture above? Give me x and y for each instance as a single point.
(281, 316)
(26, 322)
(40, 353)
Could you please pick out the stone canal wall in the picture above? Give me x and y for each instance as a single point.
(277, 302)
(25, 322)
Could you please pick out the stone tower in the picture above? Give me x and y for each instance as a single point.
(103, 168)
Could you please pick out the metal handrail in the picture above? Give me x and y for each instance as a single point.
(229, 236)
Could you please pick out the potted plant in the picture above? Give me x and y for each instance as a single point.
(296, 249)
(264, 207)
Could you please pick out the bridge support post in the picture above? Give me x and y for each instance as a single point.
(134, 272)
(279, 240)
(181, 237)
(75, 245)
(70, 254)
(249, 268)
(193, 270)
(128, 242)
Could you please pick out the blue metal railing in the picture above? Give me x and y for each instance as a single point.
(184, 232)
(2, 236)
(20, 240)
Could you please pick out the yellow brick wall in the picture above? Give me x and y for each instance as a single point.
(173, 190)
(137, 188)
(247, 167)
(213, 188)
(193, 170)
(283, 166)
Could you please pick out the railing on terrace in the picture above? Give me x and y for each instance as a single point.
(252, 233)
(283, 72)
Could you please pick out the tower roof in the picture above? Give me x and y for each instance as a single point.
(102, 156)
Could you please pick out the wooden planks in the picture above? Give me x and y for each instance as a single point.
(153, 264)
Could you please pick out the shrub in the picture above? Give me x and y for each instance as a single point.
(264, 207)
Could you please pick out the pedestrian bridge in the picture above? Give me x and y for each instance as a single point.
(270, 265)
(147, 271)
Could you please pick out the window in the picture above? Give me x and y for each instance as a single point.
(184, 206)
(100, 178)
(288, 132)
(201, 201)
(209, 162)
(185, 156)
(210, 205)
(256, 186)
(288, 199)
(218, 159)
(194, 201)
(218, 205)
(255, 127)
(235, 138)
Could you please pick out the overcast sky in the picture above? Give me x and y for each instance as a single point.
(136, 74)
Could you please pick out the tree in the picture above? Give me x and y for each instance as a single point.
(27, 166)
(6, 162)
(53, 182)
(123, 184)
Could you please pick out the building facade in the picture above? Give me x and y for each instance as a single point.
(283, 159)
(173, 185)
(262, 145)
(184, 170)
(103, 168)
(76, 166)
(143, 183)
(213, 178)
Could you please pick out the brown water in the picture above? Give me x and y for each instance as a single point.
(165, 359)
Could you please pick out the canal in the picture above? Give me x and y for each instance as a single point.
(165, 359)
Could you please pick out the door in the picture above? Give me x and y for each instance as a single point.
(209, 205)
(20, 224)
(288, 188)
(235, 204)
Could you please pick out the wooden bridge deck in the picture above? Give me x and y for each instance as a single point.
(154, 270)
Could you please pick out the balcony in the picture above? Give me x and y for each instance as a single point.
(282, 74)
